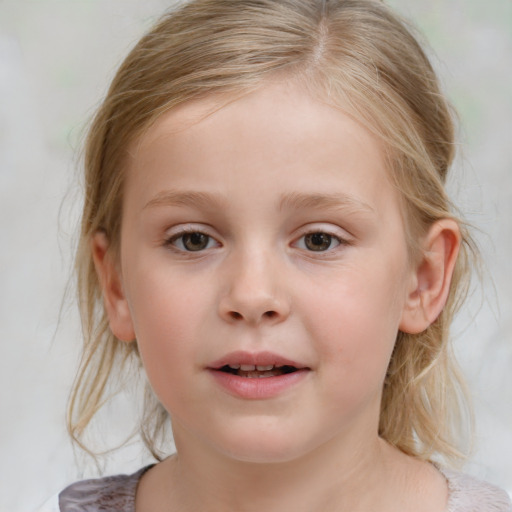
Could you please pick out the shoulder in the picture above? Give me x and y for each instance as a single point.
(469, 494)
(112, 493)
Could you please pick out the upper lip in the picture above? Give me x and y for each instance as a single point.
(254, 358)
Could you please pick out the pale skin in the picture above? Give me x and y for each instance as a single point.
(271, 225)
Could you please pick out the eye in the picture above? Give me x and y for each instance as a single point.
(318, 242)
(192, 241)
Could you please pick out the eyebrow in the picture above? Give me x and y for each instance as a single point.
(290, 201)
(186, 198)
(299, 201)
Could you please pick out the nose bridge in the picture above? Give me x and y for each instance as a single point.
(254, 291)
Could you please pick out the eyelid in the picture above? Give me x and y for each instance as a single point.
(324, 227)
(188, 227)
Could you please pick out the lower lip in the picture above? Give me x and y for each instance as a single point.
(258, 388)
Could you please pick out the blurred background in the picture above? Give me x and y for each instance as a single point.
(56, 60)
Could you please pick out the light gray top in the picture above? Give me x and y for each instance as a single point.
(469, 494)
(117, 494)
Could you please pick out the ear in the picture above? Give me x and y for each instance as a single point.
(432, 276)
(114, 299)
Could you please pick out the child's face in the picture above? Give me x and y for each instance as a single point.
(264, 233)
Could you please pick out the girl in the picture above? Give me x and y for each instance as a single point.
(266, 229)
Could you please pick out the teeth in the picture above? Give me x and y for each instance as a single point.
(259, 375)
(252, 367)
(266, 368)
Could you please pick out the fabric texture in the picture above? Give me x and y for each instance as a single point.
(469, 494)
(117, 494)
(108, 494)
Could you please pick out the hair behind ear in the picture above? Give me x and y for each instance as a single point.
(425, 410)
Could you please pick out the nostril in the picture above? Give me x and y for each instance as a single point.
(235, 315)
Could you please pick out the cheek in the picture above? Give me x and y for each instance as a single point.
(165, 302)
(355, 336)
(167, 318)
(355, 317)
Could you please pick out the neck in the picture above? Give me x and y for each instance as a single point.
(317, 481)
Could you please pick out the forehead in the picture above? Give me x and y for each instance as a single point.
(278, 133)
(283, 108)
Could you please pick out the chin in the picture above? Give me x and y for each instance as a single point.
(261, 446)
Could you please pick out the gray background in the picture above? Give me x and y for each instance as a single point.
(56, 59)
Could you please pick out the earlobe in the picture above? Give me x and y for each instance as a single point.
(430, 283)
(114, 299)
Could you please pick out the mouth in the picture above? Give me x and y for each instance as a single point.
(257, 376)
(252, 371)
(258, 365)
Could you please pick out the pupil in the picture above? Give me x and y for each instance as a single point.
(318, 241)
(195, 241)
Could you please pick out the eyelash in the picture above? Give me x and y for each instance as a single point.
(177, 239)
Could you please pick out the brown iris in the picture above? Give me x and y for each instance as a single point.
(318, 241)
(195, 241)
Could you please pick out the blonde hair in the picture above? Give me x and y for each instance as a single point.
(358, 56)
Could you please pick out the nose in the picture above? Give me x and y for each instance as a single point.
(253, 292)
